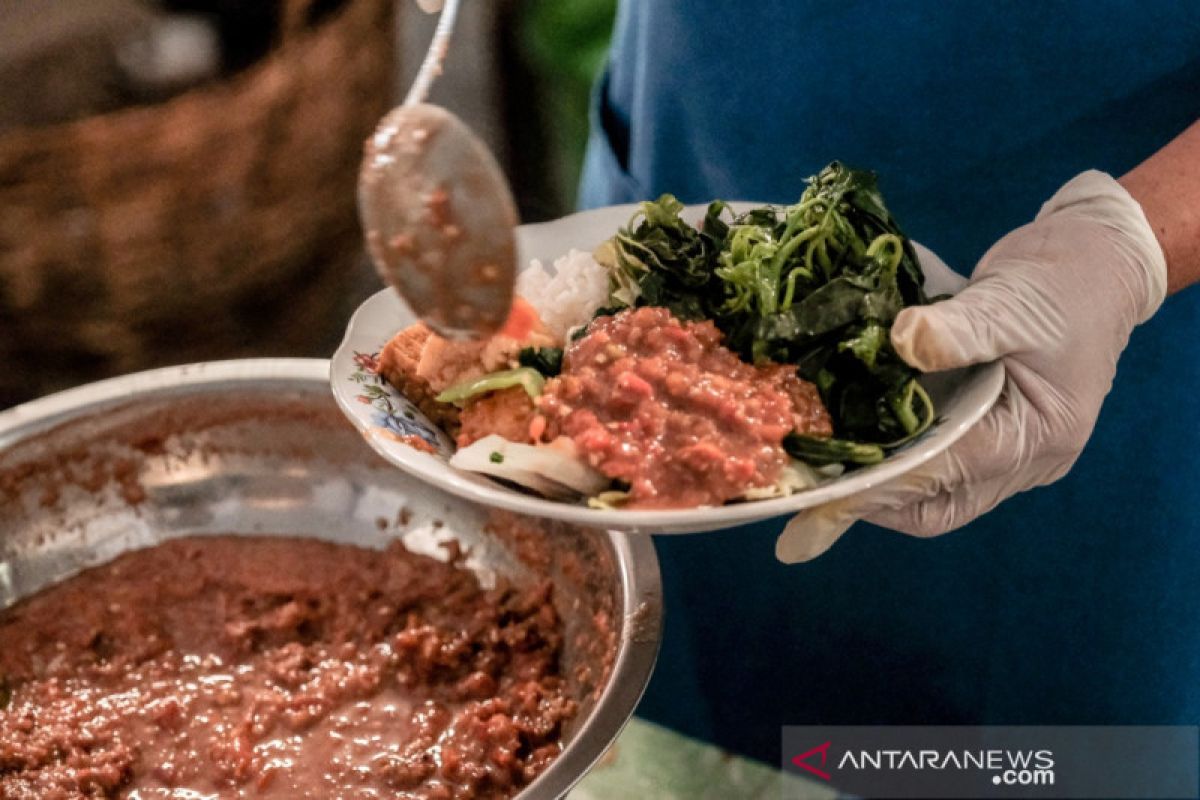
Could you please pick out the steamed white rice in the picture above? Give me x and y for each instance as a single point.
(567, 294)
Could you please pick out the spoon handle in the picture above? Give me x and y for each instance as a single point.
(431, 67)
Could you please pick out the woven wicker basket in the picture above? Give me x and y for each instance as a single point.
(219, 223)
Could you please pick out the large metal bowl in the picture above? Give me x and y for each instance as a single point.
(257, 446)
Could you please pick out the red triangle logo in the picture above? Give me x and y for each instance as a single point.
(801, 760)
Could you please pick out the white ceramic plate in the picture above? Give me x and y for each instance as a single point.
(383, 415)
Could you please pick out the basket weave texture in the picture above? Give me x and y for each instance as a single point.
(219, 223)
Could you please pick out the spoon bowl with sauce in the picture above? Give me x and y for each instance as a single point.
(437, 212)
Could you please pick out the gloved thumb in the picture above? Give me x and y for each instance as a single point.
(1052, 264)
(983, 322)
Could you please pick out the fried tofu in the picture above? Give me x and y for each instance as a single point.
(507, 412)
(398, 365)
(421, 365)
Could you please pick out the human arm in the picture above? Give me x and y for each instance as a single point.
(1167, 187)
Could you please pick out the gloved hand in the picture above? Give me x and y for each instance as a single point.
(1055, 301)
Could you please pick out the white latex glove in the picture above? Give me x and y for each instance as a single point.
(1055, 301)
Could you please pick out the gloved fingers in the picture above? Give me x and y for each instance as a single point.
(991, 462)
(810, 533)
(944, 493)
(813, 531)
(945, 511)
(995, 446)
(910, 505)
(953, 508)
(987, 320)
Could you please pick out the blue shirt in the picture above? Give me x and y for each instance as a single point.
(1078, 603)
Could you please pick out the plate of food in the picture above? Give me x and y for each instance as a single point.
(670, 368)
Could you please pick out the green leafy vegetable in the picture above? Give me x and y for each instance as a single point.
(818, 452)
(546, 360)
(816, 284)
(496, 457)
(866, 344)
(660, 260)
(528, 379)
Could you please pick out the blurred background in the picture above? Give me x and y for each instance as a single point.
(177, 176)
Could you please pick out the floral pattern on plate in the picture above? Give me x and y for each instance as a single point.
(391, 413)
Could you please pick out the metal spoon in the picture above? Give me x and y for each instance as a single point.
(437, 213)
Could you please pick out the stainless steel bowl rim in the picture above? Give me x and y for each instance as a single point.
(637, 564)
